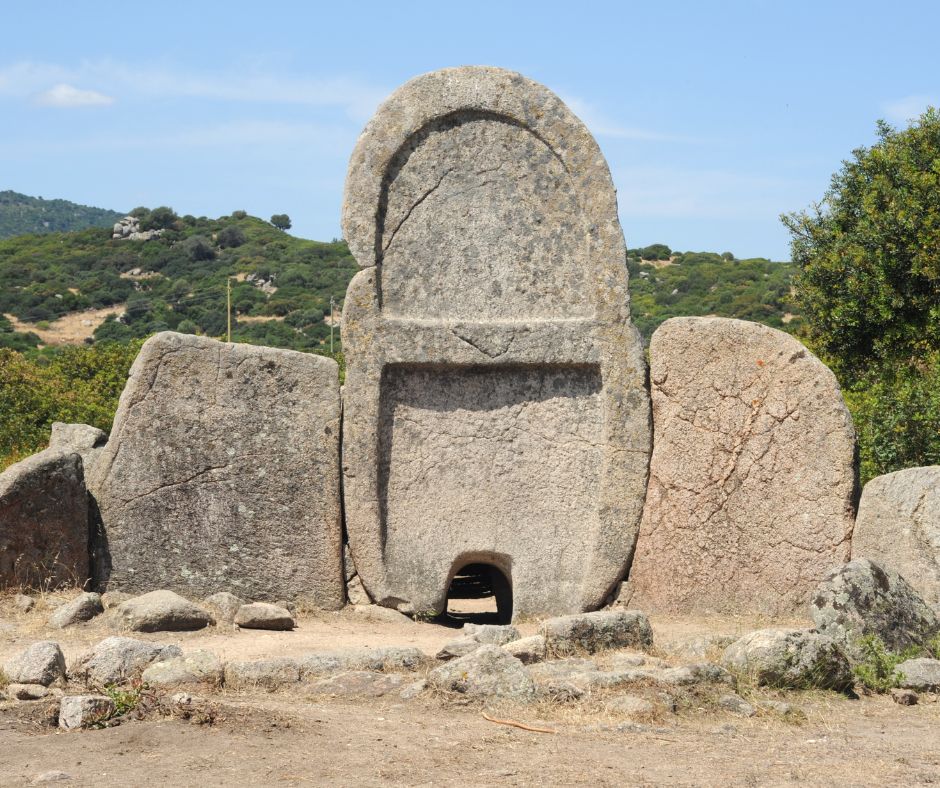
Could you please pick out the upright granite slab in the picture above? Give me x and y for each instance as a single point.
(222, 474)
(752, 479)
(898, 525)
(495, 402)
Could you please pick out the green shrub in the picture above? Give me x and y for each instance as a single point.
(877, 671)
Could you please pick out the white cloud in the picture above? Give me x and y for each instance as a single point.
(904, 110)
(602, 126)
(67, 96)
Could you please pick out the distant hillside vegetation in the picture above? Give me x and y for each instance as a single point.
(21, 214)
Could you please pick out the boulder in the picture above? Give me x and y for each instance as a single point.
(898, 526)
(790, 659)
(697, 673)
(44, 521)
(161, 611)
(197, 667)
(864, 598)
(358, 683)
(921, 674)
(527, 650)
(84, 607)
(83, 711)
(222, 471)
(42, 663)
(264, 615)
(385, 658)
(30, 691)
(489, 672)
(904, 697)
(223, 606)
(264, 673)
(118, 660)
(114, 598)
(82, 439)
(751, 482)
(489, 347)
(591, 632)
(474, 635)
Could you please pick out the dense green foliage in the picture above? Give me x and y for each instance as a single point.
(20, 214)
(178, 280)
(869, 289)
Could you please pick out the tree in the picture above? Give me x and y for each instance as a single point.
(161, 218)
(281, 221)
(868, 284)
(231, 237)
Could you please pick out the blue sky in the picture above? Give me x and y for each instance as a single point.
(714, 117)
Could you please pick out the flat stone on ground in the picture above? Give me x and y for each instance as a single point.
(264, 615)
(921, 674)
(265, 673)
(161, 611)
(84, 607)
(591, 632)
(196, 667)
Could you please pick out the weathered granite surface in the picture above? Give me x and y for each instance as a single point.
(222, 474)
(750, 499)
(44, 521)
(898, 526)
(495, 406)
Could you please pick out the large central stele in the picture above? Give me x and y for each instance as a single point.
(495, 403)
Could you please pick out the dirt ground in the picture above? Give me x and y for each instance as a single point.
(291, 737)
(69, 329)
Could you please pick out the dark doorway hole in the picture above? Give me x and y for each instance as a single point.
(479, 594)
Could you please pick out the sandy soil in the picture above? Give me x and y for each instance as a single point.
(294, 738)
(70, 329)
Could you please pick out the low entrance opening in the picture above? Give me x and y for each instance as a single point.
(479, 594)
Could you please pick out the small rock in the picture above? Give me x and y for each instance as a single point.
(116, 660)
(559, 691)
(223, 606)
(162, 611)
(495, 634)
(28, 691)
(112, 599)
(904, 697)
(790, 658)
(527, 650)
(458, 648)
(631, 705)
(592, 632)
(382, 614)
(736, 705)
(865, 598)
(24, 603)
(266, 673)
(264, 615)
(780, 707)
(414, 689)
(83, 608)
(487, 672)
(373, 659)
(197, 667)
(41, 663)
(51, 777)
(922, 674)
(81, 711)
(358, 683)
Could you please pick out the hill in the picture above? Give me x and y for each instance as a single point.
(20, 214)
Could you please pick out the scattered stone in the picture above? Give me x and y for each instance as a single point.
(904, 697)
(751, 482)
(117, 660)
(222, 471)
(414, 689)
(458, 648)
(922, 674)
(898, 526)
(487, 672)
(370, 659)
(790, 658)
(83, 608)
(264, 615)
(162, 611)
(197, 667)
(358, 683)
(44, 521)
(527, 650)
(494, 634)
(559, 691)
(83, 711)
(736, 705)
(864, 598)
(223, 606)
(51, 777)
(111, 599)
(493, 267)
(24, 603)
(28, 691)
(42, 663)
(631, 706)
(266, 673)
(698, 673)
(592, 632)
(381, 614)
